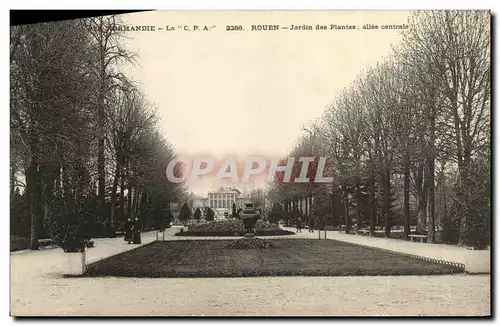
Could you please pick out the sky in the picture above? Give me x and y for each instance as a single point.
(241, 93)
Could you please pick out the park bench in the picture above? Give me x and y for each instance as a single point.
(45, 242)
(329, 228)
(364, 232)
(413, 237)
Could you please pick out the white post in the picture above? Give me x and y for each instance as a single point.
(84, 266)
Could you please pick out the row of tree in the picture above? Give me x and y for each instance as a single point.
(408, 142)
(186, 215)
(81, 131)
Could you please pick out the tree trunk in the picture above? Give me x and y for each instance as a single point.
(57, 185)
(464, 198)
(387, 197)
(431, 234)
(100, 127)
(333, 210)
(33, 185)
(310, 198)
(373, 206)
(129, 197)
(122, 194)
(113, 193)
(306, 209)
(346, 212)
(358, 206)
(100, 168)
(406, 195)
(12, 178)
(422, 188)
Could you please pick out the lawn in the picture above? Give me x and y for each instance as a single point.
(286, 257)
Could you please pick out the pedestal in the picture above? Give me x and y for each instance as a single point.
(75, 263)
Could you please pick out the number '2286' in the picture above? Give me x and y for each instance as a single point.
(234, 28)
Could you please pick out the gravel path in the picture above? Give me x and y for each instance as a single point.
(37, 289)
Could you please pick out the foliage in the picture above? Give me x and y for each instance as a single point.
(421, 113)
(321, 209)
(19, 211)
(197, 214)
(209, 214)
(277, 213)
(69, 225)
(185, 213)
(76, 122)
(234, 212)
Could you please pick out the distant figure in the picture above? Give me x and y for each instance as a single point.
(299, 225)
(311, 225)
(137, 231)
(129, 231)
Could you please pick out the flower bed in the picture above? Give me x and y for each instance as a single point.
(232, 228)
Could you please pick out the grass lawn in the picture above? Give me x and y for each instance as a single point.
(287, 257)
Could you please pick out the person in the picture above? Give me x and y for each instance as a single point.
(129, 231)
(311, 225)
(299, 225)
(137, 231)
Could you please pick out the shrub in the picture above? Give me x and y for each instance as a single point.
(185, 213)
(69, 227)
(197, 214)
(277, 213)
(209, 214)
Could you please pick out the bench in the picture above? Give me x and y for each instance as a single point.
(364, 232)
(329, 228)
(417, 236)
(45, 242)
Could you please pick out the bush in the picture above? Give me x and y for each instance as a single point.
(185, 213)
(69, 227)
(209, 214)
(197, 214)
(261, 224)
(277, 213)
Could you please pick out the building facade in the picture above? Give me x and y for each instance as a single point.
(221, 201)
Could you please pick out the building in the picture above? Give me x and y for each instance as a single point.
(221, 201)
(199, 202)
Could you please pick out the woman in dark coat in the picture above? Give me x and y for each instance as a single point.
(129, 231)
(137, 231)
